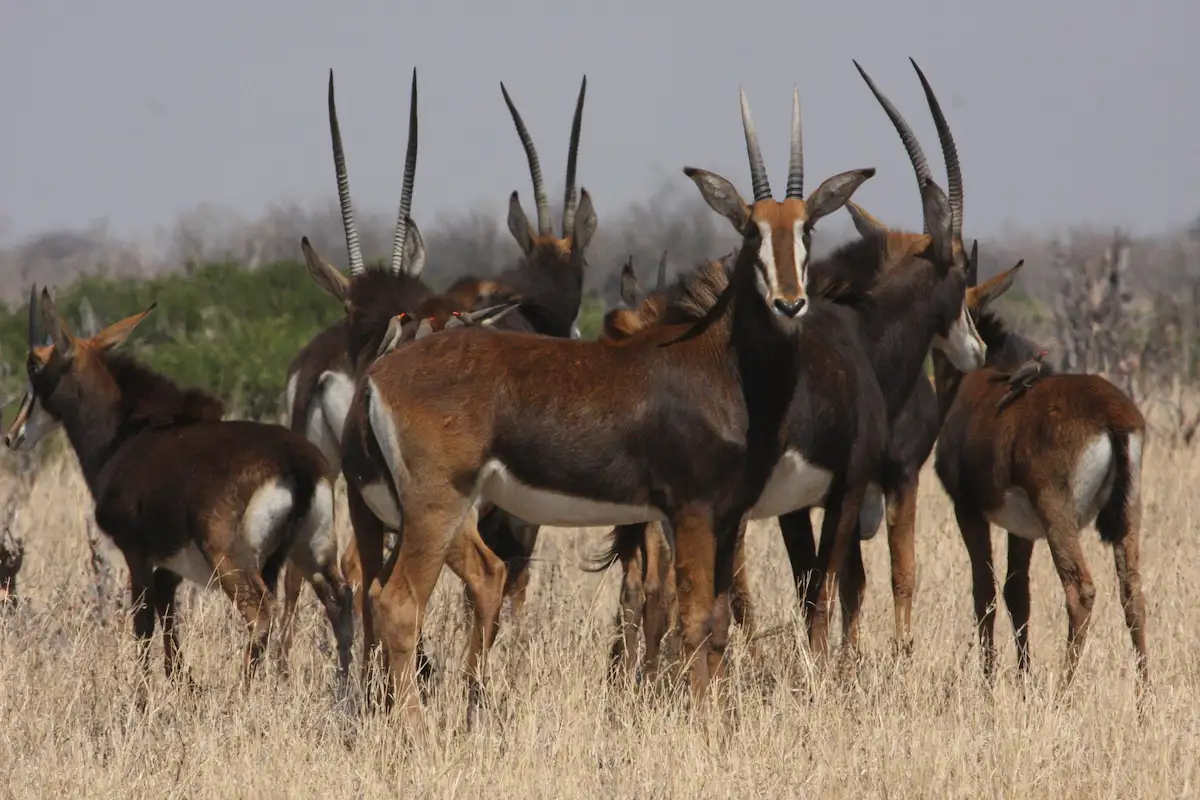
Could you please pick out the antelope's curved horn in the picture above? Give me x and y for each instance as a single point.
(949, 155)
(353, 248)
(758, 171)
(795, 183)
(535, 167)
(570, 200)
(406, 190)
(915, 154)
(33, 316)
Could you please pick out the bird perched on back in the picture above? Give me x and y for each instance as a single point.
(1021, 379)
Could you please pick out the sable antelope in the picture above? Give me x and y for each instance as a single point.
(901, 294)
(1069, 453)
(913, 419)
(182, 493)
(389, 309)
(562, 432)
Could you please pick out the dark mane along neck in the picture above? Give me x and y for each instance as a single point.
(144, 399)
(1006, 350)
(900, 308)
(375, 297)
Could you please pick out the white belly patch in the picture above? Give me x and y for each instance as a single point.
(547, 507)
(379, 499)
(191, 565)
(1018, 516)
(794, 483)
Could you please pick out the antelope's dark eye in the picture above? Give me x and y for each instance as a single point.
(32, 365)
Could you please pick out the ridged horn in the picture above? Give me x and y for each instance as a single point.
(949, 154)
(911, 145)
(33, 317)
(758, 171)
(795, 182)
(353, 248)
(570, 200)
(406, 189)
(535, 167)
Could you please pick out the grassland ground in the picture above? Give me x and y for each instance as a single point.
(555, 727)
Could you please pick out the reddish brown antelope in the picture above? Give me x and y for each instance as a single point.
(182, 493)
(563, 432)
(896, 303)
(385, 310)
(1066, 453)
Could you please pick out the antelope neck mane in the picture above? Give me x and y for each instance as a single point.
(856, 274)
(150, 398)
(694, 294)
(1006, 350)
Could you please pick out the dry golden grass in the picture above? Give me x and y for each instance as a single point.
(555, 728)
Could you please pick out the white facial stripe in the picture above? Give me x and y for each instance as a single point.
(963, 346)
(766, 254)
(801, 253)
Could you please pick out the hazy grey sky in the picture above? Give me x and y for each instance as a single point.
(132, 112)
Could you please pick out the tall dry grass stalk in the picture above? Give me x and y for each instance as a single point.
(554, 727)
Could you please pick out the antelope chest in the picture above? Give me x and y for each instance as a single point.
(794, 483)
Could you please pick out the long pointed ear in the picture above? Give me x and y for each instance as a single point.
(55, 326)
(720, 196)
(518, 224)
(938, 223)
(834, 193)
(978, 299)
(631, 293)
(866, 225)
(415, 253)
(585, 223)
(118, 332)
(973, 265)
(326, 275)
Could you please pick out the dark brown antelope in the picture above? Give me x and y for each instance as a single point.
(896, 303)
(913, 420)
(681, 422)
(182, 493)
(1066, 453)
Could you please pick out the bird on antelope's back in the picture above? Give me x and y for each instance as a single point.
(1022, 378)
